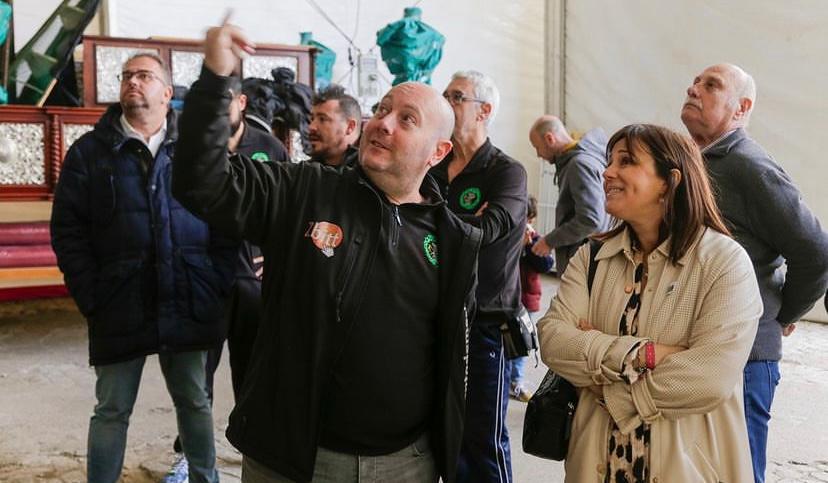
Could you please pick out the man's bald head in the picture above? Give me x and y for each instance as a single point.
(549, 136)
(719, 100)
(433, 104)
(409, 133)
(743, 86)
(549, 123)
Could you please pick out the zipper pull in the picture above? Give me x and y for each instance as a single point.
(397, 215)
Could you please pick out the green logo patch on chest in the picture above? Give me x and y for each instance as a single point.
(260, 156)
(470, 198)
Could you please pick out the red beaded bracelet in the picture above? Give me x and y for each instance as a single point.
(649, 355)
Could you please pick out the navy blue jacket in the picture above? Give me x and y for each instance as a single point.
(148, 275)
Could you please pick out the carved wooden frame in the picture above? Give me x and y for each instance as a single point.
(304, 57)
(54, 120)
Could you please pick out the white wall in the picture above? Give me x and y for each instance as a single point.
(632, 62)
(29, 16)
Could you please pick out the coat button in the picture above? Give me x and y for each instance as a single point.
(655, 479)
(628, 289)
(602, 466)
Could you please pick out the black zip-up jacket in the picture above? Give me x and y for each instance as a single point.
(495, 178)
(318, 229)
(350, 158)
(259, 146)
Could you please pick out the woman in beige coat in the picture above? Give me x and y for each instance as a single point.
(657, 351)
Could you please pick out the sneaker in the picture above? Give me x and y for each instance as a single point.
(520, 394)
(179, 473)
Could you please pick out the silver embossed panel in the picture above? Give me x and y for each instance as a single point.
(185, 67)
(296, 148)
(22, 154)
(261, 65)
(73, 132)
(109, 61)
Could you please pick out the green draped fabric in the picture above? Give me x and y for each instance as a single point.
(411, 48)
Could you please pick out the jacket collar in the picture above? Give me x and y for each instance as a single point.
(725, 144)
(623, 243)
(429, 188)
(257, 122)
(109, 130)
(480, 161)
(349, 158)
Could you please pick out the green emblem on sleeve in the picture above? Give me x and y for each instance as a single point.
(470, 198)
(430, 248)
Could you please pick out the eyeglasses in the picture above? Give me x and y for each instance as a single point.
(143, 76)
(456, 98)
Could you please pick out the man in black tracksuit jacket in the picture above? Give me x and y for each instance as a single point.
(367, 290)
(244, 305)
(487, 188)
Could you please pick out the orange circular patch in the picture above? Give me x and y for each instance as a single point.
(326, 236)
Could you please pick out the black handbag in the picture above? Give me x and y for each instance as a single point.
(548, 421)
(520, 336)
(547, 425)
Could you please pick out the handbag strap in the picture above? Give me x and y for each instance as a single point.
(594, 246)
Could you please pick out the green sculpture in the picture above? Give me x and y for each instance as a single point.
(411, 48)
(325, 59)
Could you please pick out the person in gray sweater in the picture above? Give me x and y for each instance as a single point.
(579, 169)
(766, 214)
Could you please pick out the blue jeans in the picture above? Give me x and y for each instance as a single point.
(516, 367)
(412, 464)
(116, 389)
(485, 455)
(761, 378)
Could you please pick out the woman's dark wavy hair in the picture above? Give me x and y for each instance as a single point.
(689, 206)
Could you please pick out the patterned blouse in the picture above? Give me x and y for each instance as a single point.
(628, 455)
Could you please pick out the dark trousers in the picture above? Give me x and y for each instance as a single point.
(485, 455)
(244, 309)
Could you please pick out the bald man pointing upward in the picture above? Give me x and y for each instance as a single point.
(359, 364)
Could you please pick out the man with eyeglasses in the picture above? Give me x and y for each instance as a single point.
(486, 188)
(148, 275)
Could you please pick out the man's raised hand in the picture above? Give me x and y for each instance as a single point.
(223, 47)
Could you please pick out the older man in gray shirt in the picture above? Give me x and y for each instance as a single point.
(579, 175)
(767, 216)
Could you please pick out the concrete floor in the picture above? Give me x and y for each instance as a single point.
(46, 398)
